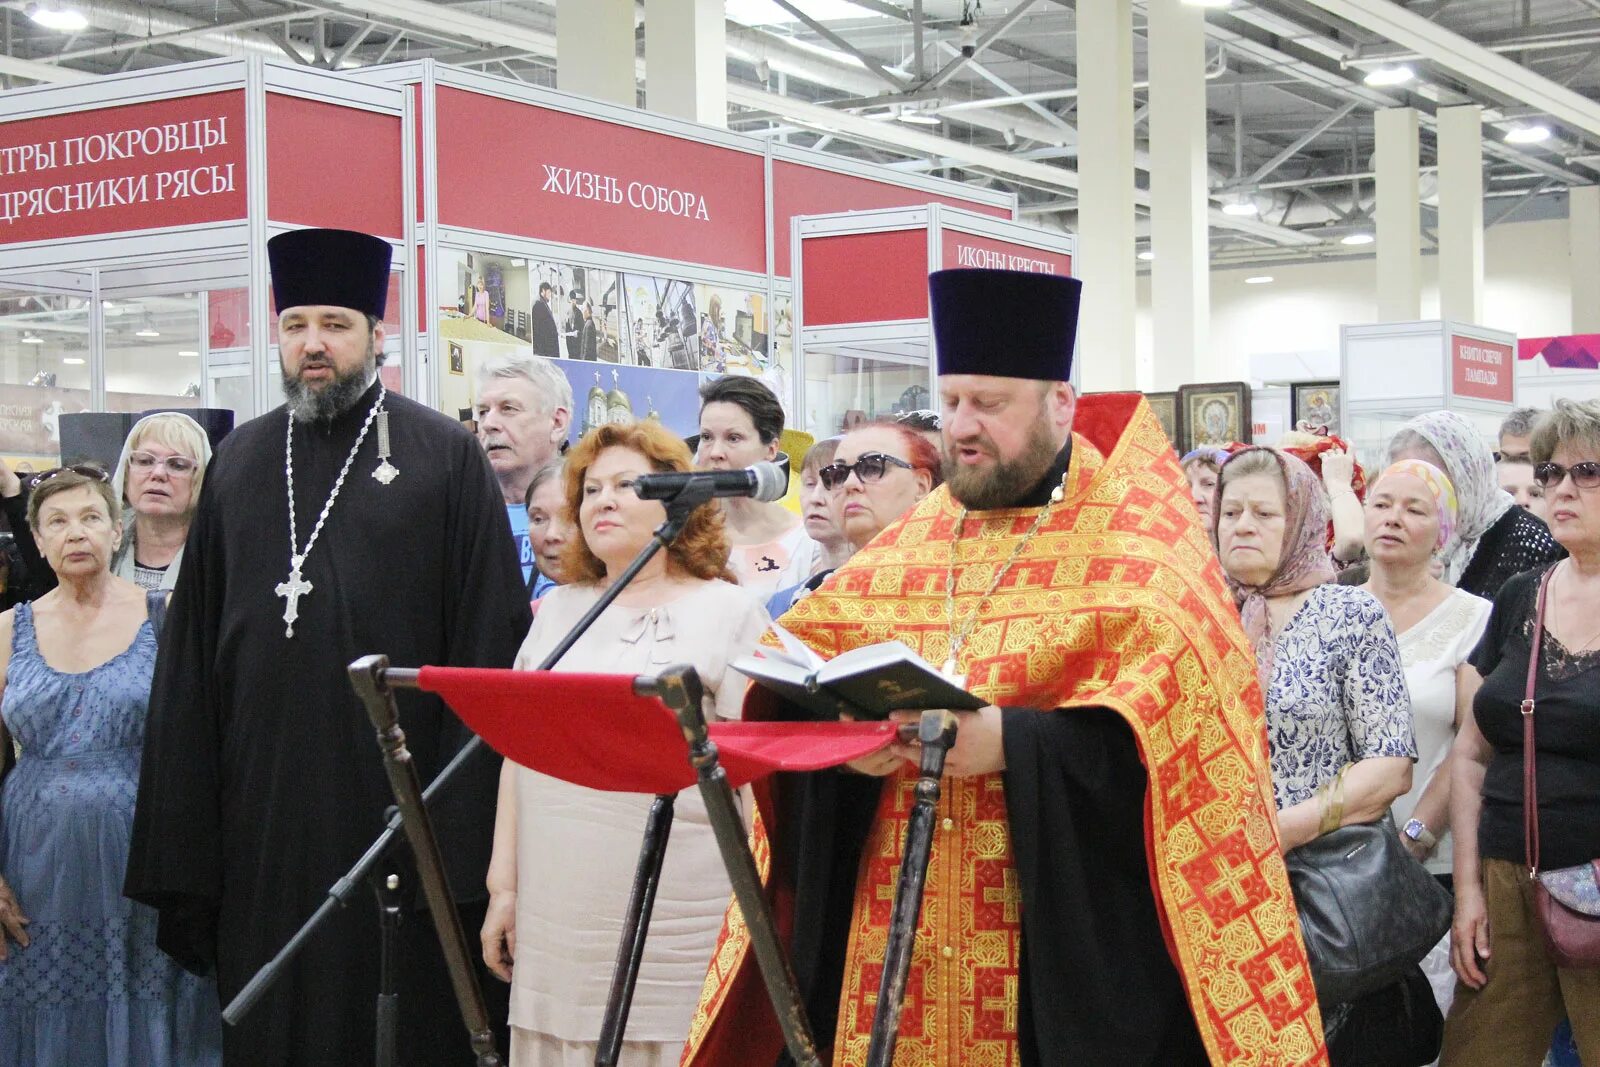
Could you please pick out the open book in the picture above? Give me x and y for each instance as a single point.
(865, 683)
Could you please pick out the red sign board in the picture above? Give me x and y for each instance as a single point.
(1481, 369)
(515, 168)
(162, 163)
(866, 277)
(334, 165)
(971, 250)
(801, 190)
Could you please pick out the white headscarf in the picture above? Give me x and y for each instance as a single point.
(1469, 464)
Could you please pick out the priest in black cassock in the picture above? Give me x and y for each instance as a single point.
(348, 521)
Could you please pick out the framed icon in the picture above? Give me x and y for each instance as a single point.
(1316, 405)
(457, 359)
(1214, 414)
(1165, 406)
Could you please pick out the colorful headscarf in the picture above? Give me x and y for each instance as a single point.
(1470, 467)
(1304, 562)
(1444, 494)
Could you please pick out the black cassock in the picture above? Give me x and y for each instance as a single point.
(263, 781)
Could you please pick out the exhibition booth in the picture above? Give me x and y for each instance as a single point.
(861, 300)
(643, 253)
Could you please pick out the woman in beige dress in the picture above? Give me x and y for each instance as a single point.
(564, 855)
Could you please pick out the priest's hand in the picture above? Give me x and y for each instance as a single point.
(500, 933)
(13, 923)
(978, 748)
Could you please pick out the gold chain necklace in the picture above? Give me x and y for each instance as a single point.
(958, 638)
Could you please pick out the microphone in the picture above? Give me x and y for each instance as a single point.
(763, 481)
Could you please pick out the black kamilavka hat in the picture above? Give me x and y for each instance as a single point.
(1011, 324)
(339, 268)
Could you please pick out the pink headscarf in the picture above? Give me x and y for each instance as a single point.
(1304, 563)
(1438, 486)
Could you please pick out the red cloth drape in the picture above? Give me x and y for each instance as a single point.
(593, 730)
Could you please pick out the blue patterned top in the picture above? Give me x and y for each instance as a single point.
(1338, 692)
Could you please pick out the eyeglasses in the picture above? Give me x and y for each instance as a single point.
(1585, 475)
(144, 461)
(924, 420)
(87, 470)
(870, 467)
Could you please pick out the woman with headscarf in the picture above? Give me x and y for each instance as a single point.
(1338, 715)
(158, 478)
(1410, 515)
(1494, 539)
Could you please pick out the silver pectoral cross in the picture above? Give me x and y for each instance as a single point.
(292, 590)
(385, 472)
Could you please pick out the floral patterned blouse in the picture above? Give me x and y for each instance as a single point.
(1338, 692)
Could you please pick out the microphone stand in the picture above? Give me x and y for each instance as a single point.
(679, 508)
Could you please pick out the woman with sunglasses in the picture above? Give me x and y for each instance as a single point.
(1494, 539)
(1511, 996)
(82, 982)
(158, 480)
(880, 472)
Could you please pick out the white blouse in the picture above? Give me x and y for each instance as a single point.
(1431, 651)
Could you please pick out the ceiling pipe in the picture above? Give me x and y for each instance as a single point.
(1212, 74)
(143, 20)
(1535, 43)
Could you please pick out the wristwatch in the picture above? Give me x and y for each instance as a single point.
(1418, 831)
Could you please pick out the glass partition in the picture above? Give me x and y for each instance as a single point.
(44, 372)
(152, 346)
(846, 387)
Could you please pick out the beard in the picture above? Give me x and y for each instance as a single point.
(1005, 481)
(336, 397)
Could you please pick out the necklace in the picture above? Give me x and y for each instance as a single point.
(295, 587)
(958, 637)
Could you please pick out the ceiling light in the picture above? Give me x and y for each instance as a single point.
(920, 118)
(72, 361)
(31, 338)
(1357, 239)
(53, 16)
(1241, 206)
(1392, 75)
(1527, 134)
(147, 331)
(187, 352)
(1258, 279)
(1147, 255)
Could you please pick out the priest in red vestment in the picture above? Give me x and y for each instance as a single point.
(1106, 885)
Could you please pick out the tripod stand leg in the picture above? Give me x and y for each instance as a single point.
(630, 952)
(936, 732)
(388, 1037)
(679, 689)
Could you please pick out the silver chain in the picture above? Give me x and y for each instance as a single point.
(288, 453)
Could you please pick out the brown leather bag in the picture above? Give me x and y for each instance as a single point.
(1571, 930)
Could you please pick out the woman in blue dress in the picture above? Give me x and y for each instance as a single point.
(82, 983)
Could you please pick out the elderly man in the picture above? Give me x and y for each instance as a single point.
(1106, 885)
(524, 408)
(347, 521)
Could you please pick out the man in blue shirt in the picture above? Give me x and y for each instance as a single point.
(524, 410)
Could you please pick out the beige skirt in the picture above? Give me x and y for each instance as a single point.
(532, 1049)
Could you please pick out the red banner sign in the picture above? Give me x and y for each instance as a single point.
(1481, 369)
(303, 136)
(970, 250)
(178, 162)
(866, 277)
(585, 181)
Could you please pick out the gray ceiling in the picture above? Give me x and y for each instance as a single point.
(1279, 70)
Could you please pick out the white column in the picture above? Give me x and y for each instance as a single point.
(1460, 137)
(1180, 275)
(1399, 216)
(1105, 259)
(595, 50)
(1583, 227)
(686, 59)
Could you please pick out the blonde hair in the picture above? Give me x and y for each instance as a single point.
(179, 433)
(1568, 422)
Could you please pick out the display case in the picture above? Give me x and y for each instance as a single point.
(861, 301)
(1393, 371)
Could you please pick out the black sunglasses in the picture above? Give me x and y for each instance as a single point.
(87, 470)
(1585, 475)
(870, 467)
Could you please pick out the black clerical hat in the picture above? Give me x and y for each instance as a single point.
(340, 268)
(1007, 323)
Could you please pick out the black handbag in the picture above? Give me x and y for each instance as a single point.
(1369, 912)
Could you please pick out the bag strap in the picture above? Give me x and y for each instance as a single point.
(1530, 775)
